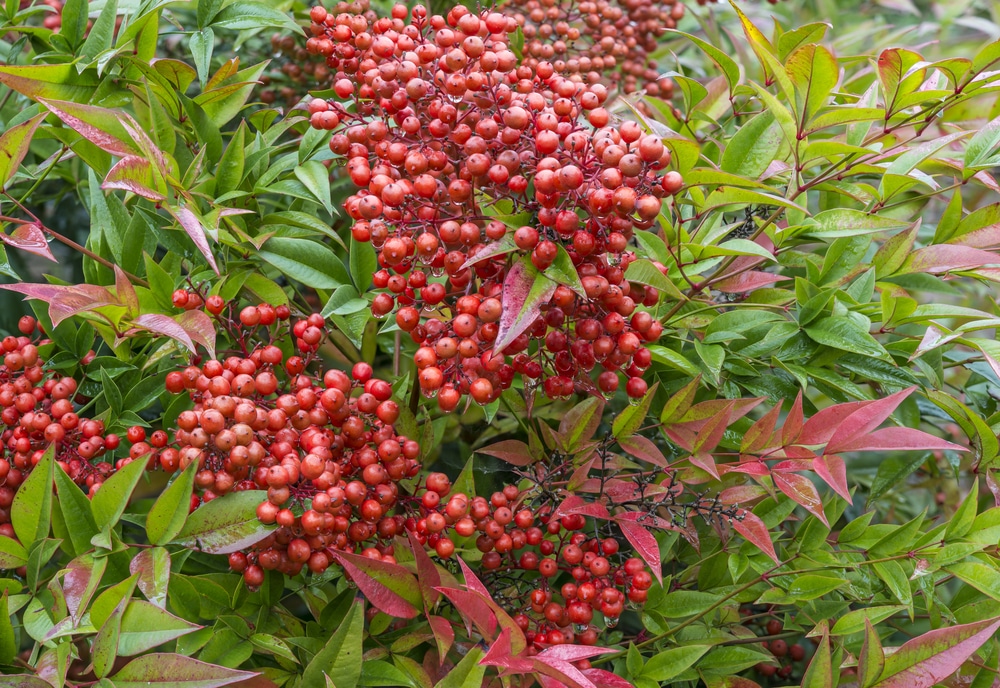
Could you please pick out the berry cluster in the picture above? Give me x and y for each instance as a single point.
(442, 128)
(545, 570)
(788, 655)
(322, 450)
(38, 411)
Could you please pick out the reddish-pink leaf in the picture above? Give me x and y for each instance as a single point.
(200, 328)
(793, 422)
(167, 669)
(942, 258)
(502, 655)
(711, 432)
(166, 326)
(741, 494)
(388, 587)
(832, 471)
(525, 290)
(749, 525)
(427, 574)
(14, 144)
(126, 293)
(802, 491)
(792, 466)
(759, 436)
(192, 224)
(29, 237)
(866, 419)
(473, 609)
(444, 634)
(135, 175)
(605, 679)
(644, 543)
(705, 462)
(565, 673)
(644, 449)
(934, 656)
(575, 504)
(748, 281)
(899, 439)
(65, 301)
(514, 452)
(100, 126)
(680, 403)
(572, 653)
(755, 468)
(472, 581)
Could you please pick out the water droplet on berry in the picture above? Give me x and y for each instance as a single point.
(608, 395)
(580, 628)
(634, 401)
(610, 621)
(429, 393)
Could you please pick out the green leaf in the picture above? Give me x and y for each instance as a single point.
(666, 664)
(8, 645)
(76, 511)
(753, 146)
(468, 673)
(112, 496)
(340, 659)
(854, 622)
(730, 69)
(819, 673)
(681, 603)
(58, 82)
(309, 262)
(170, 511)
(101, 36)
(643, 271)
(961, 522)
(74, 21)
(177, 671)
(363, 264)
(844, 222)
(892, 574)
(981, 146)
(242, 15)
(225, 524)
(145, 626)
(207, 10)
(12, 553)
(871, 661)
(112, 394)
(562, 271)
(315, 177)
(14, 145)
(845, 334)
(978, 575)
(31, 510)
(629, 420)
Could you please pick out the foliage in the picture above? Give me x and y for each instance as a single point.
(496, 361)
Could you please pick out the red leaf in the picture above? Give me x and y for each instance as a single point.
(100, 126)
(564, 672)
(833, 472)
(759, 436)
(749, 525)
(473, 609)
(444, 634)
(513, 452)
(644, 449)
(501, 654)
(65, 301)
(740, 494)
(428, 577)
(192, 224)
(167, 669)
(472, 581)
(747, 281)
(166, 326)
(574, 504)
(802, 491)
(135, 175)
(525, 290)
(899, 439)
(14, 144)
(30, 238)
(793, 422)
(605, 679)
(934, 656)
(792, 466)
(756, 468)
(384, 584)
(572, 653)
(705, 462)
(866, 419)
(644, 543)
(200, 328)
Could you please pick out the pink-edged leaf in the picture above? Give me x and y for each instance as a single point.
(25, 681)
(427, 574)
(200, 328)
(100, 126)
(492, 249)
(472, 581)
(792, 466)
(580, 423)
(755, 468)
(801, 490)
(987, 180)
(679, 404)
(80, 582)
(942, 258)
(126, 293)
(932, 657)
(741, 494)
(514, 452)
(166, 326)
(525, 290)
(65, 301)
(833, 472)
(473, 609)
(135, 175)
(572, 653)
(793, 422)
(643, 449)
(899, 439)
(562, 671)
(500, 615)
(14, 144)
(759, 436)
(501, 655)
(749, 525)
(444, 634)
(866, 419)
(388, 587)
(747, 281)
(711, 432)
(574, 504)
(29, 237)
(167, 669)
(645, 545)
(192, 224)
(705, 462)
(605, 679)
(821, 427)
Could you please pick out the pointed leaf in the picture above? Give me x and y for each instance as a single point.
(178, 671)
(514, 452)
(802, 491)
(643, 541)
(169, 512)
(525, 290)
(749, 525)
(935, 655)
(14, 145)
(340, 659)
(389, 587)
(871, 661)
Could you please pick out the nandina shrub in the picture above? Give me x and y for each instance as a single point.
(557, 343)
